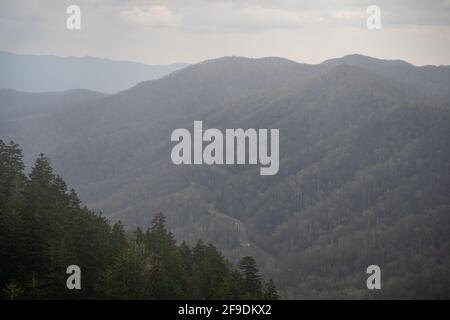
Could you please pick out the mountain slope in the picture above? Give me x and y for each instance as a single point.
(429, 80)
(363, 174)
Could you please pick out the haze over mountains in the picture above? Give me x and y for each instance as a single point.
(364, 166)
(38, 73)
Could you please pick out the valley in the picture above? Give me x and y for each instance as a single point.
(363, 166)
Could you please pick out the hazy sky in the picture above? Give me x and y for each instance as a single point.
(160, 32)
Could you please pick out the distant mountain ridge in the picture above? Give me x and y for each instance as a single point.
(41, 73)
(429, 79)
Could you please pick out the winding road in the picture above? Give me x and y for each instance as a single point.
(240, 226)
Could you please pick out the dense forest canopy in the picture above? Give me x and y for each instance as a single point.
(44, 229)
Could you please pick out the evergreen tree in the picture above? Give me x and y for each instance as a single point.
(270, 291)
(159, 239)
(118, 239)
(253, 280)
(128, 277)
(12, 184)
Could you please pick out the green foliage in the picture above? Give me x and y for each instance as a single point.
(44, 230)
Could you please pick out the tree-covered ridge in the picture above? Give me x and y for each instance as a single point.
(44, 229)
(364, 167)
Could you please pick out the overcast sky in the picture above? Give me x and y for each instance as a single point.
(162, 32)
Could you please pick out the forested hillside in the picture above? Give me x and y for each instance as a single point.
(44, 229)
(364, 167)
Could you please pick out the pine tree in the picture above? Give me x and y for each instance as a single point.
(12, 179)
(159, 240)
(270, 291)
(253, 281)
(128, 276)
(118, 240)
(12, 183)
(42, 172)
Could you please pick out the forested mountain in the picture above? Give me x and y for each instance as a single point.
(44, 230)
(429, 80)
(364, 167)
(39, 73)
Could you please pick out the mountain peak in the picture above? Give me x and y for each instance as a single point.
(362, 60)
(241, 60)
